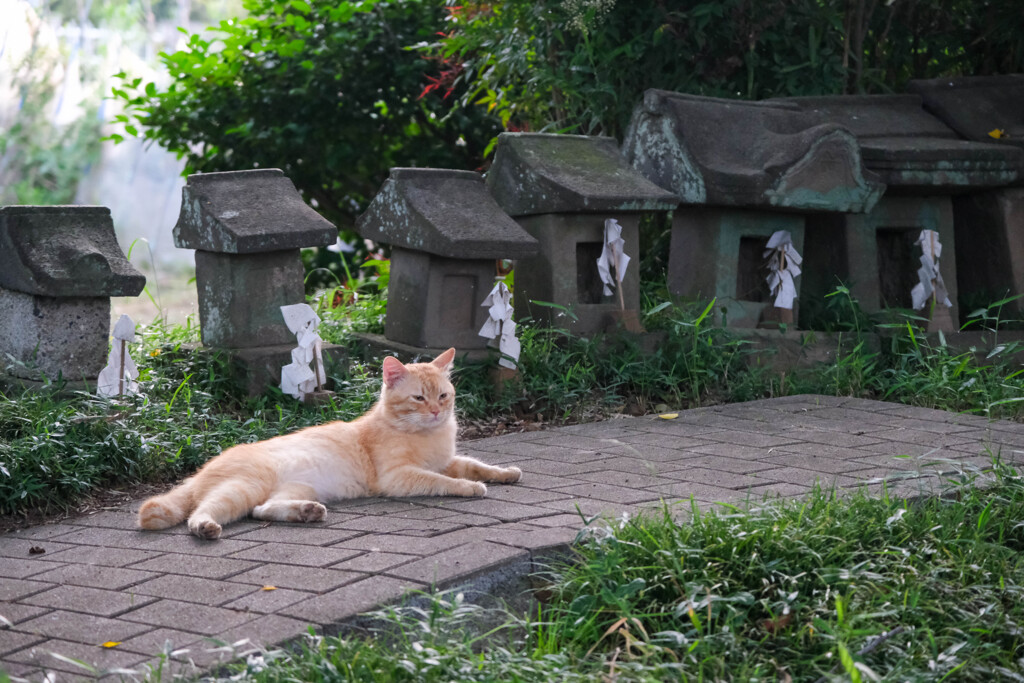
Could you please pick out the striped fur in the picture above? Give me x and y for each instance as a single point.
(403, 446)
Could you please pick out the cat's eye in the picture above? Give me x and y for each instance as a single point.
(443, 396)
(419, 398)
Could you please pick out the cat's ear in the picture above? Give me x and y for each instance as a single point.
(394, 371)
(444, 361)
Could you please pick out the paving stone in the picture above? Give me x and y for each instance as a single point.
(704, 492)
(644, 482)
(499, 509)
(155, 642)
(374, 506)
(748, 439)
(609, 493)
(464, 519)
(18, 568)
(265, 632)
(564, 446)
(567, 520)
(302, 534)
(831, 438)
(384, 524)
(408, 545)
(82, 628)
(735, 451)
(106, 557)
(727, 463)
(457, 564)
(638, 442)
(350, 600)
(374, 562)
(717, 478)
(195, 565)
(18, 589)
(100, 658)
(680, 428)
(519, 494)
(782, 476)
(187, 616)
(28, 672)
(267, 601)
(112, 519)
(299, 578)
(11, 640)
(304, 555)
(94, 576)
(155, 541)
(816, 463)
(535, 541)
(44, 532)
(632, 465)
(192, 589)
(587, 507)
(105, 603)
(533, 468)
(25, 548)
(16, 612)
(776, 490)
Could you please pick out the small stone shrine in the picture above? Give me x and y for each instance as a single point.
(247, 228)
(990, 250)
(561, 189)
(743, 171)
(59, 266)
(446, 235)
(923, 164)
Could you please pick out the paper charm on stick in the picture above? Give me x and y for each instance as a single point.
(931, 285)
(783, 268)
(613, 257)
(119, 377)
(500, 327)
(298, 378)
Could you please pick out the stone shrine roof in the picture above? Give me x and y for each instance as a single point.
(974, 106)
(248, 212)
(721, 152)
(443, 212)
(537, 173)
(64, 251)
(911, 149)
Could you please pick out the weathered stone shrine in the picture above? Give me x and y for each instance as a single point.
(743, 170)
(990, 247)
(446, 234)
(59, 266)
(923, 163)
(561, 189)
(247, 228)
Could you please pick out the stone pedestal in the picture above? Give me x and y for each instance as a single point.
(240, 297)
(59, 266)
(247, 228)
(990, 247)
(447, 234)
(565, 272)
(875, 254)
(561, 189)
(719, 252)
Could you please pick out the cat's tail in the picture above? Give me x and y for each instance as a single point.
(163, 512)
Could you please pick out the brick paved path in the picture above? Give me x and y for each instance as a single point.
(100, 579)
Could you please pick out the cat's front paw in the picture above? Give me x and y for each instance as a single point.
(205, 529)
(511, 475)
(474, 489)
(311, 512)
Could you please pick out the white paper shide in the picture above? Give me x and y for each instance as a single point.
(305, 374)
(783, 268)
(120, 375)
(613, 258)
(499, 327)
(931, 285)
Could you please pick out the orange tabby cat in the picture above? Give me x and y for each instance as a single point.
(404, 446)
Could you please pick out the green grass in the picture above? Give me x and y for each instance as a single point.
(854, 588)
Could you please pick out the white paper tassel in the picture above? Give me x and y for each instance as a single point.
(500, 326)
(931, 279)
(120, 374)
(612, 256)
(783, 268)
(297, 378)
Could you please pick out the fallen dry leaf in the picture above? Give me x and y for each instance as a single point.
(110, 643)
(669, 416)
(269, 588)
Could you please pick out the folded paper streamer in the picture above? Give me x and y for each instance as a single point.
(613, 256)
(298, 378)
(500, 328)
(783, 268)
(120, 375)
(931, 285)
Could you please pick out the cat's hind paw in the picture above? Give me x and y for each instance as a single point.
(511, 475)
